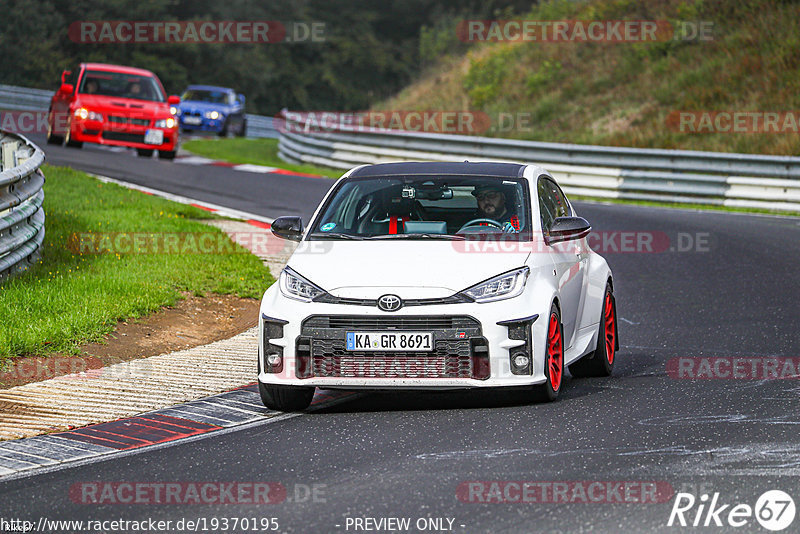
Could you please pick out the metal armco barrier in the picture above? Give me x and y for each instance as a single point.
(683, 176)
(21, 197)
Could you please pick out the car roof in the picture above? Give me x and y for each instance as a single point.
(209, 88)
(466, 168)
(117, 68)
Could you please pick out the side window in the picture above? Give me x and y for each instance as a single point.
(562, 206)
(552, 202)
(546, 204)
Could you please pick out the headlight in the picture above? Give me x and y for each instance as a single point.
(166, 123)
(504, 286)
(296, 287)
(174, 111)
(212, 115)
(85, 114)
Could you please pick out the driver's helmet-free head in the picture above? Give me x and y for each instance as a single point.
(481, 190)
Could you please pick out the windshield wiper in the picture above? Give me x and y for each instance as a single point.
(447, 237)
(336, 235)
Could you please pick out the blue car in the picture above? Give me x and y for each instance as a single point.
(206, 108)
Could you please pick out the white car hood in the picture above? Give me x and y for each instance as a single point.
(411, 269)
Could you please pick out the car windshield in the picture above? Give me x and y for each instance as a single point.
(121, 85)
(212, 97)
(424, 207)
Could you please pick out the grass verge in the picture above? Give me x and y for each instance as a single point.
(253, 151)
(72, 296)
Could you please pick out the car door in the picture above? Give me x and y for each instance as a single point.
(569, 257)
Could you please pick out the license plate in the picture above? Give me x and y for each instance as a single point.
(192, 120)
(154, 137)
(389, 341)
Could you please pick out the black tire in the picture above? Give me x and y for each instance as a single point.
(549, 391)
(224, 131)
(600, 362)
(243, 129)
(166, 154)
(51, 138)
(285, 398)
(145, 152)
(69, 142)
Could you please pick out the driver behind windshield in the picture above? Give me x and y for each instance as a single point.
(493, 204)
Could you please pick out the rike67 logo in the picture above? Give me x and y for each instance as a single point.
(774, 510)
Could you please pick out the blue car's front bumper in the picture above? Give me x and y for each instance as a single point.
(205, 125)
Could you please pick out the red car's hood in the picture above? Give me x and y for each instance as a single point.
(126, 107)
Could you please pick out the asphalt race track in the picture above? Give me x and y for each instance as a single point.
(728, 288)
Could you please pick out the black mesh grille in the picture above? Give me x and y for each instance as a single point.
(459, 348)
(449, 359)
(124, 137)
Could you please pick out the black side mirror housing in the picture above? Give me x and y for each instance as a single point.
(288, 228)
(567, 229)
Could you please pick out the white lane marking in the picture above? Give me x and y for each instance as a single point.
(247, 167)
(222, 210)
(194, 160)
(627, 321)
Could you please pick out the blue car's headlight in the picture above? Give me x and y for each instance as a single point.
(213, 115)
(504, 286)
(296, 287)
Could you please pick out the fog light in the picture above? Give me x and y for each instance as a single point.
(274, 360)
(521, 361)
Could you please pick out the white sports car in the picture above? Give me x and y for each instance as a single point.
(436, 276)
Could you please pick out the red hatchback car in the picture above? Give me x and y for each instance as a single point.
(113, 105)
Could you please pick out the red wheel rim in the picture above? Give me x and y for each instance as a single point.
(555, 361)
(611, 328)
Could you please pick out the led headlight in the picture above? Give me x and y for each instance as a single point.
(212, 115)
(166, 123)
(296, 287)
(504, 286)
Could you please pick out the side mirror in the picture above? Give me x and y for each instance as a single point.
(288, 228)
(240, 98)
(66, 88)
(173, 100)
(567, 229)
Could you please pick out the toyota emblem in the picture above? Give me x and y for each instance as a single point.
(390, 303)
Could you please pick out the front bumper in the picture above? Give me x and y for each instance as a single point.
(87, 131)
(206, 125)
(471, 349)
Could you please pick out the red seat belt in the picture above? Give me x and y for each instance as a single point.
(393, 223)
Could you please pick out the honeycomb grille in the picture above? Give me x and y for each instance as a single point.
(449, 359)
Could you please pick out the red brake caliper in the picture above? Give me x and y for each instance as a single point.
(554, 358)
(611, 328)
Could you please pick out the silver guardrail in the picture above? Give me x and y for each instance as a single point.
(682, 176)
(21, 198)
(24, 98)
(27, 99)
